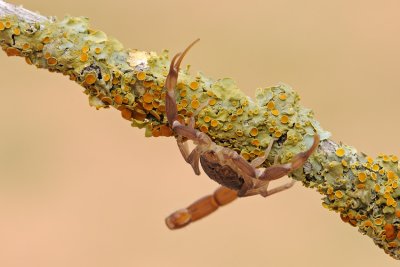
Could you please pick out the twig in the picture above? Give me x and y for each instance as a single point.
(363, 190)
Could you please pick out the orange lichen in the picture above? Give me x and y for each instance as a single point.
(184, 103)
(397, 213)
(141, 75)
(368, 223)
(394, 159)
(271, 105)
(377, 188)
(278, 134)
(212, 101)
(126, 113)
(204, 128)
(245, 155)
(183, 93)
(284, 119)
(138, 114)
(83, 57)
(2, 26)
(46, 40)
(214, 123)
(155, 132)
(161, 108)
(275, 112)
(148, 98)
(375, 167)
(26, 46)
(118, 99)
(338, 194)
(90, 78)
(107, 100)
(47, 55)
(11, 51)
(155, 114)
(255, 142)
(115, 81)
(194, 85)
(340, 152)
(97, 50)
(16, 31)
(254, 132)
(390, 231)
(28, 60)
(166, 131)
(282, 96)
(391, 202)
(106, 77)
(52, 61)
(195, 103)
(207, 119)
(360, 186)
(390, 175)
(147, 106)
(362, 177)
(147, 84)
(239, 133)
(85, 49)
(8, 24)
(378, 221)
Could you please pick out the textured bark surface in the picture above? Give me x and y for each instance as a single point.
(364, 190)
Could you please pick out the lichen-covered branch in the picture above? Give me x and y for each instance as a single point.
(362, 189)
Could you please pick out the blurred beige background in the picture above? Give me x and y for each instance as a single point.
(80, 187)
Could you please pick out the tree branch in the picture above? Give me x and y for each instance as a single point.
(363, 190)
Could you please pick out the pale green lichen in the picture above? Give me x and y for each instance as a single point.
(363, 190)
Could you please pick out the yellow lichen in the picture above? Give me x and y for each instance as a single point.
(362, 177)
(141, 75)
(338, 194)
(340, 152)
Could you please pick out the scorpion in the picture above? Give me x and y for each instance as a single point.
(237, 177)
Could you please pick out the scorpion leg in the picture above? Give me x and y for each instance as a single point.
(278, 171)
(200, 208)
(260, 160)
(262, 189)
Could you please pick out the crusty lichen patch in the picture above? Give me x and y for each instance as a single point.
(365, 191)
